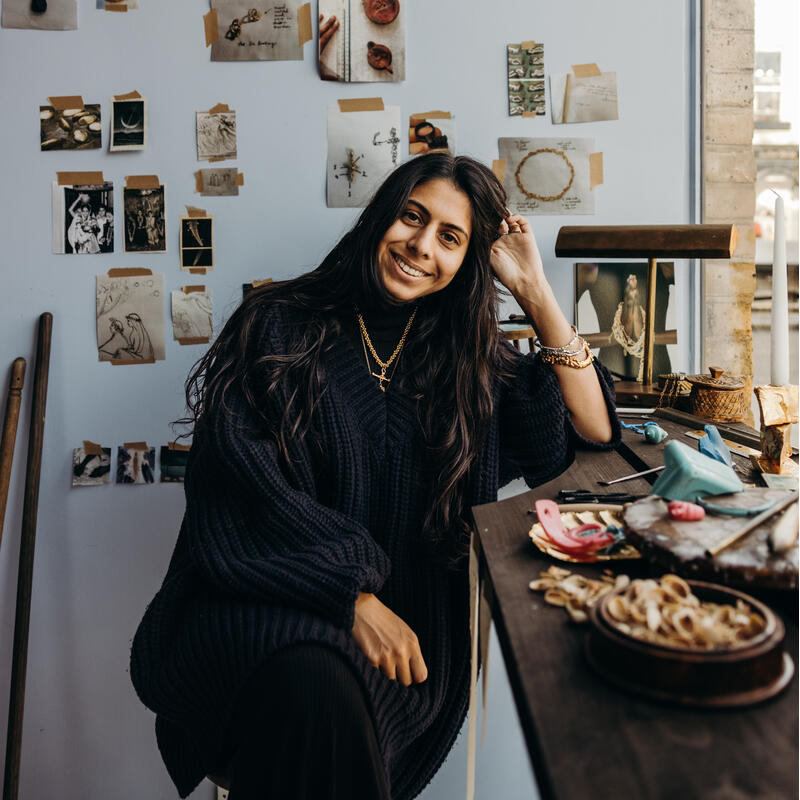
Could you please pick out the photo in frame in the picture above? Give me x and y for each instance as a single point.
(610, 313)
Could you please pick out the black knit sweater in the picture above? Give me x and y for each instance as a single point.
(265, 559)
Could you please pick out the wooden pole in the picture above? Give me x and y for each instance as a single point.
(650, 322)
(33, 470)
(10, 434)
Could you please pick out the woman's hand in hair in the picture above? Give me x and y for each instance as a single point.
(515, 256)
(387, 642)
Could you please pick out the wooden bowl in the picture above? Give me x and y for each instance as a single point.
(726, 677)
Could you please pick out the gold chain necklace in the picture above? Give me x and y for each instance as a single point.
(384, 365)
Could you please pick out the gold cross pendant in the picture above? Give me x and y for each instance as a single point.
(381, 378)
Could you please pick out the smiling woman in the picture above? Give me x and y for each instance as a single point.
(345, 423)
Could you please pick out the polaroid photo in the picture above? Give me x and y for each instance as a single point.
(192, 315)
(83, 219)
(197, 242)
(173, 464)
(70, 128)
(91, 469)
(525, 66)
(218, 182)
(610, 313)
(128, 124)
(216, 135)
(266, 33)
(548, 176)
(130, 318)
(431, 132)
(363, 147)
(54, 15)
(365, 43)
(136, 466)
(145, 220)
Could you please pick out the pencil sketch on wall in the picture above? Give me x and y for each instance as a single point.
(191, 315)
(130, 318)
(216, 135)
(218, 182)
(267, 33)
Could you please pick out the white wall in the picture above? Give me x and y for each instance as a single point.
(101, 552)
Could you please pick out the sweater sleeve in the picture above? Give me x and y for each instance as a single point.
(537, 438)
(254, 533)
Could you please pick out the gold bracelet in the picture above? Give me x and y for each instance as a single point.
(576, 362)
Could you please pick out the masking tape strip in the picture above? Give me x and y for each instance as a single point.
(177, 446)
(361, 104)
(240, 178)
(196, 212)
(219, 108)
(529, 45)
(198, 287)
(142, 182)
(198, 182)
(304, 24)
(115, 6)
(128, 272)
(595, 169)
(92, 448)
(256, 283)
(211, 25)
(134, 95)
(66, 101)
(198, 270)
(194, 340)
(136, 446)
(586, 70)
(529, 114)
(415, 119)
(499, 168)
(119, 362)
(80, 178)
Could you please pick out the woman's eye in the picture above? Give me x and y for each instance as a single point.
(450, 238)
(412, 216)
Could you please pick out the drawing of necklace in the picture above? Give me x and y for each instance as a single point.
(545, 198)
(235, 28)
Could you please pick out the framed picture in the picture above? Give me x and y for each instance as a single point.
(610, 313)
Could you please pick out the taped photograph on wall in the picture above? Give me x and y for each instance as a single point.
(270, 32)
(610, 313)
(53, 15)
(70, 126)
(431, 131)
(216, 135)
(218, 181)
(145, 222)
(197, 242)
(192, 315)
(130, 318)
(128, 122)
(363, 146)
(83, 218)
(136, 464)
(550, 176)
(584, 95)
(525, 62)
(91, 466)
(362, 41)
(173, 463)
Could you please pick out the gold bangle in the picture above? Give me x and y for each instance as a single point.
(576, 362)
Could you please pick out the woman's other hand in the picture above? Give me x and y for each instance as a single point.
(387, 642)
(515, 256)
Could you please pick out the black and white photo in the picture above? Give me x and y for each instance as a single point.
(76, 128)
(128, 124)
(83, 219)
(218, 182)
(197, 242)
(216, 135)
(145, 222)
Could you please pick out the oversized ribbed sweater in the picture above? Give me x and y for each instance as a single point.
(266, 558)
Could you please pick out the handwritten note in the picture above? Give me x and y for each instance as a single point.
(583, 99)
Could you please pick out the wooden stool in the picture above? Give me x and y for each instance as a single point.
(515, 328)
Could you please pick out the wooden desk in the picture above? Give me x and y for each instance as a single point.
(587, 739)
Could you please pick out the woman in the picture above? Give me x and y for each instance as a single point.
(310, 637)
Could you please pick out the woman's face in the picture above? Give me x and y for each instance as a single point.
(422, 250)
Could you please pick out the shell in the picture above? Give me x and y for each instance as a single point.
(555, 597)
(46, 113)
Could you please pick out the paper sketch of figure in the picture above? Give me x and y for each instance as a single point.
(91, 469)
(267, 33)
(83, 219)
(136, 466)
(548, 176)
(363, 146)
(53, 15)
(216, 135)
(219, 182)
(191, 315)
(130, 318)
(362, 41)
(610, 303)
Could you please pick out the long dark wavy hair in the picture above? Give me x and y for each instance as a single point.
(451, 360)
